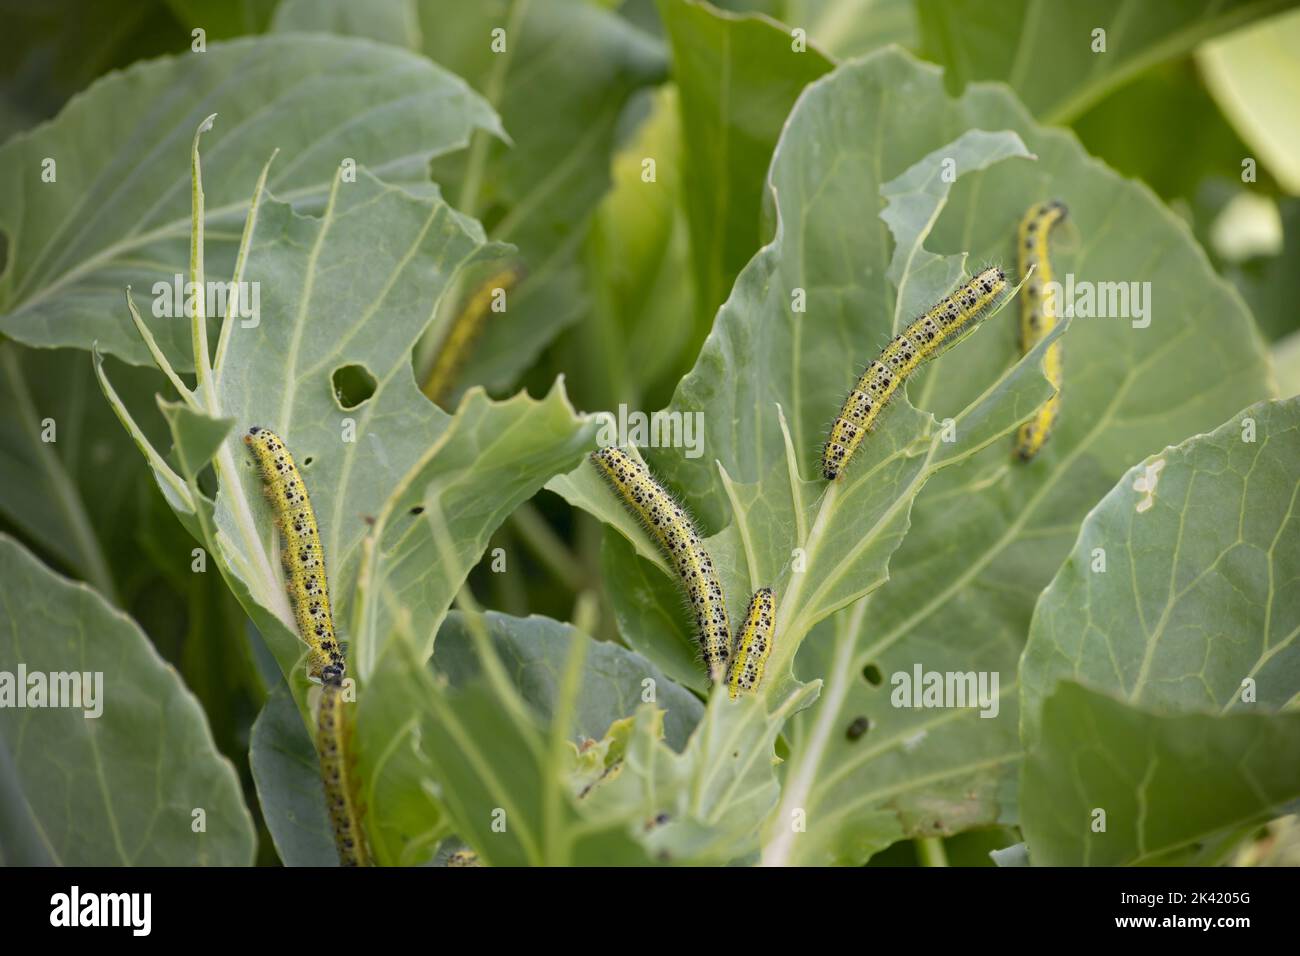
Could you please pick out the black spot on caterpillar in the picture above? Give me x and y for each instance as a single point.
(676, 534)
(921, 341)
(303, 556)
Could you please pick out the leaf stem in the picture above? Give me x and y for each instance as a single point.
(586, 612)
(241, 259)
(198, 323)
(930, 851)
(467, 202)
(548, 547)
(160, 359)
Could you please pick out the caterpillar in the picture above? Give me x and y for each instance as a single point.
(333, 734)
(302, 554)
(925, 338)
(753, 644)
(676, 534)
(454, 349)
(464, 858)
(1037, 318)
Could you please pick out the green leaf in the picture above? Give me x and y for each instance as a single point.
(708, 800)
(388, 21)
(85, 504)
(323, 310)
(172, 485)
(351, 292)
(1015, 855)
(652, 613)
(1200, 555)
(738, 76)
(986, 533)
(639, 340)
(497, 733)
(845, 558)
(286, 771)
(49, 51)
(1254, 76)
(1044, 50)
(197, 437)
(405, 821)
(760, 365)
(435, 525)
(118, 213)
(561, 86)
(119, 788)
(41, 482)
(533, 651)
(1169, 784)
(847, 28)
(1179, 598)
(1286, 360)
(1185, 139)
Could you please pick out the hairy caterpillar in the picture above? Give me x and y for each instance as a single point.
(454, 349)
(1037, 318)
(676, 534)
(922, 340)
(332, 738)
(303, 556)
(753, 643)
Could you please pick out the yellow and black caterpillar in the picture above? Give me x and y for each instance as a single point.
(924, 339)
(1038, 314)
(753, 644)
(303, 557)
(333, 737)
(676, 535)
(458, 342)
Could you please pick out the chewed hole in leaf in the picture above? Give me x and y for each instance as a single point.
(353, 385)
